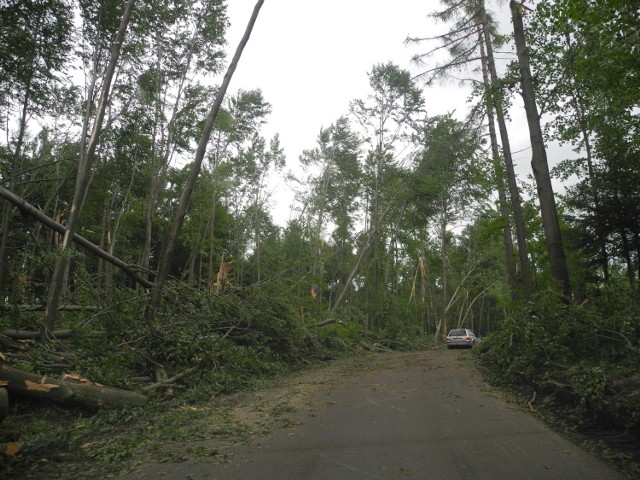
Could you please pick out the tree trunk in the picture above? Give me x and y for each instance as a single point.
(176, 226)
(72, 391)
(30, 210)
(442, 324)
(550, 222)
(512, 275)
(4, 404)
(6, 211)
(518, 218)
(83, 177)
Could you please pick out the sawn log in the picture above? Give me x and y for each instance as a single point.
(74, 391)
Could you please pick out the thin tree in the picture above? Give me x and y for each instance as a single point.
(85, 164)
(514, 193)
(176, 225)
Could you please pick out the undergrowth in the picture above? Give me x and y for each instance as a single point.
(580, 361)
(226, 343)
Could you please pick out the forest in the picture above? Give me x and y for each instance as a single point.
(138, 248)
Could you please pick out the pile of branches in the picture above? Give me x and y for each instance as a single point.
(582, 359)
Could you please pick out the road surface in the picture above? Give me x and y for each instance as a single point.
(419, 415)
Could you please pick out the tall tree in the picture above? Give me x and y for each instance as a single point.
(35, 43)
(182, 40)
(388, 116)
(550, 221)
(85, 164)
(333, 185)
(471, 39)
(454, 174)
(176, 225)
(235, 128)
(569, 43)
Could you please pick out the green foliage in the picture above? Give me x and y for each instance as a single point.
(582, 359)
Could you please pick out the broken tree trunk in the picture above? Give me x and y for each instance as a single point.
(82, 392)
(32, 211)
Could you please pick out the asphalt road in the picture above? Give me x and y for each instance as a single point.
(415, 415)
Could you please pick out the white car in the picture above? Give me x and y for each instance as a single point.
(462, 338)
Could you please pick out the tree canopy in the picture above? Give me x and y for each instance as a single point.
(133, 182)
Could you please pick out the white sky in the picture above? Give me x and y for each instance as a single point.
(311, 58)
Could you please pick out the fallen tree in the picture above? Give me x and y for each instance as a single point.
(32, 211)
(31, 352)
(41, 308)
(72, 389)
(19, 334)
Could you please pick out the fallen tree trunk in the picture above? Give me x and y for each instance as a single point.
(32, 211)
(80, 392)
(328, 321)
(31, 352)
(42, 308)
(19, 334)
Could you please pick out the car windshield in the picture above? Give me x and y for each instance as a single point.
(458, 333)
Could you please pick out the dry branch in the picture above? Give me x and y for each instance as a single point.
(169, 381)
(328, 321)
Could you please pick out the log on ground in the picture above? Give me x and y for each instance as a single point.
(19, 334)
(84, 393)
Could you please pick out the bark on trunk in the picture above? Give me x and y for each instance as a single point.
(518, 218)
(84, 393)
(550, 222)
(512, 275)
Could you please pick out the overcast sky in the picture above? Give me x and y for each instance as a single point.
(311, 58)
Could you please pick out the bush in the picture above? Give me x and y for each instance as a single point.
(582, 358)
